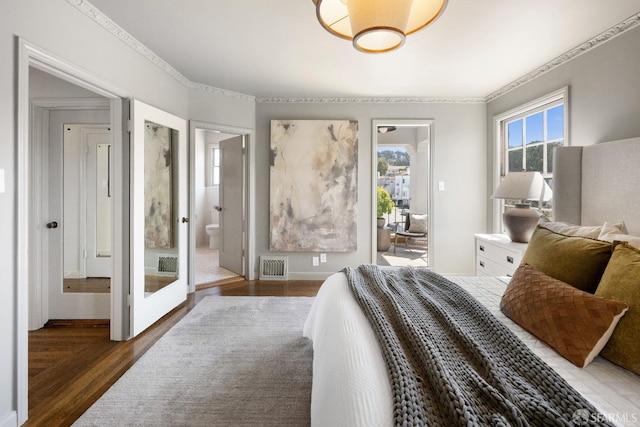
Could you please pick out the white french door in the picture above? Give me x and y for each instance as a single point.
(159, 214)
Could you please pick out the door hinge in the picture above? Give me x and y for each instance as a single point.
(84, 253)
(129, 300)
(129, 125)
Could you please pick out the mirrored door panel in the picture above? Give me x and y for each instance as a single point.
(159, 227)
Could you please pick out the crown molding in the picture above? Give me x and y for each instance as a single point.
(585, 47)
(105, 22)
(225, 92)
(368, 100)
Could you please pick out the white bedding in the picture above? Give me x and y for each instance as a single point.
(350, 383)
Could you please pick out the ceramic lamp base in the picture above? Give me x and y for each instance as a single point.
(520, 222)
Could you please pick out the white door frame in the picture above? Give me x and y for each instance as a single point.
(247, 226)
(429, 124)
(30, 55)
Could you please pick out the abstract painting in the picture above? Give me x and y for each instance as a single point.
(157, 186)
(314, 185)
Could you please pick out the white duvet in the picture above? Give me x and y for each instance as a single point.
(350, 383)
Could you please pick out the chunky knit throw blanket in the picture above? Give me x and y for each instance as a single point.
(451, 362)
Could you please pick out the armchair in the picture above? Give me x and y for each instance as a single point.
(415, 230)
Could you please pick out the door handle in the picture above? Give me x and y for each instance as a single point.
(218, 208)
(185, 219)
(52, 224)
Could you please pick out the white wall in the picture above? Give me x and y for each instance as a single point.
(61, 29)
(459, 161)
(604, 96)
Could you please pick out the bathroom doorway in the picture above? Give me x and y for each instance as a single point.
(212, 238)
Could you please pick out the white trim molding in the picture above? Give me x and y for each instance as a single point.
(369, 100)
(108, 24)
(105, 22)
(585, 47)
(11, 420)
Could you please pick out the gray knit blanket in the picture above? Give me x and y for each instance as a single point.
(452, 363)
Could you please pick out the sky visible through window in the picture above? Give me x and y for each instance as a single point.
(534, 127)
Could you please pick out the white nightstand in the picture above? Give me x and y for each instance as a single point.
(497, 255)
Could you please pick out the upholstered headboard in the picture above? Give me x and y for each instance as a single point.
(598, 183)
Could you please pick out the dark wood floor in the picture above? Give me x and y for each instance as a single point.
(72, 363)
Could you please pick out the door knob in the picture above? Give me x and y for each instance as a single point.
(52, 224)
(218, 208)
(185, 219)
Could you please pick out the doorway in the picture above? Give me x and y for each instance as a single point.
(402, 167)
(31, 298)
(70, 141)
(218, 204)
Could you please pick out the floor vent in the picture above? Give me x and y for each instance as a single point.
(167, 265)
(273, 268)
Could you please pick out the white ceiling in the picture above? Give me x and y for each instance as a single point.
(277, 48)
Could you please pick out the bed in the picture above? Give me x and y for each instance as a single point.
(351, 383)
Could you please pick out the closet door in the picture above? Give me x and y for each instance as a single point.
(159, 214)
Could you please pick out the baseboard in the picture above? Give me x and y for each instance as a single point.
(311, 275)
(11, 420)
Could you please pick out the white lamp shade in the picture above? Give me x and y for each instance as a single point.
(523, 186)
(377, 25)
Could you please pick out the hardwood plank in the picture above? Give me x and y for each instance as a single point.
(72, 363)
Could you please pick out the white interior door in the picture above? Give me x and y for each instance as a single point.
(231, 197)
(159, 214)
(66, 215)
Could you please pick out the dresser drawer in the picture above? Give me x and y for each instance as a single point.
(499, 255)
(486, 267)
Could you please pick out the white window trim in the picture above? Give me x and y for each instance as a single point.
(528, 107)
(209, 156)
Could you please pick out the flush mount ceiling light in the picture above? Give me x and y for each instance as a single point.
(385, 129)
(377, 26)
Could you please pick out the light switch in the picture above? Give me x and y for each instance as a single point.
(441, 185)
(323, 257)
(315, 261)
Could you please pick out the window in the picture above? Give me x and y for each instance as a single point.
(527, 135)
(531, 138)
(213, 165)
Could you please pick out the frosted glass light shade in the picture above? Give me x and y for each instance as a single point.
(377, 25)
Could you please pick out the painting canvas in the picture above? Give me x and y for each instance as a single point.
(314, 173)
(157, 177)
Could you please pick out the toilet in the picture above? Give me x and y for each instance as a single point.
(213, 231)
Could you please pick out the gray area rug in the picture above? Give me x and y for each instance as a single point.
(232, 361)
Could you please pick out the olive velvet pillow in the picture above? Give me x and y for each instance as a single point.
(621, 281)
(578, 261)
(575, 323)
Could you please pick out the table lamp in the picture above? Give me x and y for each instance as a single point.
(521, 220)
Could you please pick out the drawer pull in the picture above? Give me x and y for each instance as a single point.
(481, 248)
(481, 263)
(510, 259)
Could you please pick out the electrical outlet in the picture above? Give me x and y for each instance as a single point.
(315, 261)
(323, 257)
